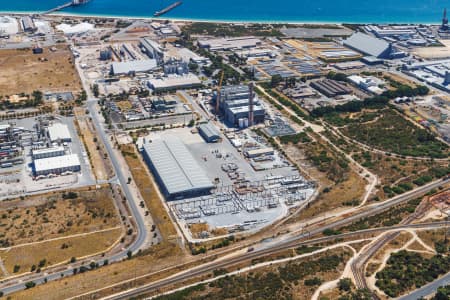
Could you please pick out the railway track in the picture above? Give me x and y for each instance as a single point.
(208, 268)
(358, 266)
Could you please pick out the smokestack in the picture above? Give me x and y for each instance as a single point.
(251, 115)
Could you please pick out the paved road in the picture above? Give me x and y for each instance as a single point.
(428, 289)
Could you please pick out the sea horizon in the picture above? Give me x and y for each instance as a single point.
(404, 12)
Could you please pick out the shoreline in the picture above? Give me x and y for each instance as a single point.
(194, 20)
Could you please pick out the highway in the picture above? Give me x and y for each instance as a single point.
(205, 269)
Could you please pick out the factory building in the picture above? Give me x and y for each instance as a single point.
(189, 56)
(48, 152)
(209, 132)
(106, 54)
(152, 49)
(372, 46)
(28, 24)
(174, 83)
(175, 66)
(236, 43)
(133, 67)
(59, 133)
(234, 105)
(259, 152)
(175, 169)
(331, 88)
(56, 165)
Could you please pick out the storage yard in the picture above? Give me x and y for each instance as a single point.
(239, 183)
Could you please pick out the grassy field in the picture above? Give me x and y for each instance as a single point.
(391, 132)
(149, 192)
(23, 72)
(57, 251)
(42, 217)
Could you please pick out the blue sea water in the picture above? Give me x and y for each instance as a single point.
(333, 11)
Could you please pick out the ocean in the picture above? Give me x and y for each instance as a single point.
(314, 11)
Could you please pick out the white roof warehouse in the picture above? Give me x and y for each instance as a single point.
(175, 169)
(57, 165)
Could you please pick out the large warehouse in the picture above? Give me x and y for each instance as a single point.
(372, 46)
(177, 172)
(56, 165)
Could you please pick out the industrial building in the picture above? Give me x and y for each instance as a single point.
(190, 56)
(175, 66)
(152, 49)
(235, 105)
(259, 152)
(58, 132)
(209, 132)
(174, 82)
(132, 67)
(47, 152)
(369, 84)
(28, 24)
(175, 169)
(331, 88)
(235, 43)
(372, 46)
(56, 165)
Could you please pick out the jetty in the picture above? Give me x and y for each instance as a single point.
(66, 5)
(167, 9)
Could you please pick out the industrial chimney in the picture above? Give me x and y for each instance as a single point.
(251, 114)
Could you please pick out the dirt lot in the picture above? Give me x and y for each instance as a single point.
(58, 251)
(23, 72)
(49, 216)
(149, 192)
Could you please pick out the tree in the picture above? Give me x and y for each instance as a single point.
(95, 90)
(276, 80)
(345, 284)
(129, 254)
(37, 97)
(30, 284)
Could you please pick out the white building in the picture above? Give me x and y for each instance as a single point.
(57, 165)
(59, 132)
(48, 152)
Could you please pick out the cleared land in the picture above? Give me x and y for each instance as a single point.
(40, 255)
(23, 72)
(55, 215)
(99, 164)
